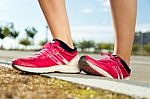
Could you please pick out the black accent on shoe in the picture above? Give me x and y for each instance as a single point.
(65, 46)
(82, 62)
(124, 64)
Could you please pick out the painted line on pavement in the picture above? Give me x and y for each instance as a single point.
(5, 64)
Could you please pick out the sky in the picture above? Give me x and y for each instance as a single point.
(87, 17)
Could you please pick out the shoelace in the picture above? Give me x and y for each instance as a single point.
(111, 59)
(42, 52)
(46, 51)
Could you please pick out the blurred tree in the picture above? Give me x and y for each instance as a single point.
(136, 47)
(2, 36)
(13, 33)
(106, 46)
(43, 42)
(147, 48)
(86, 44)
(8, 31)
(31, 33)
(75, 44)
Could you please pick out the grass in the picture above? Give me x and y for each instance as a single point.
(17, 85)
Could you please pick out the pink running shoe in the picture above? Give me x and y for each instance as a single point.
(52, 58)
(111, 66)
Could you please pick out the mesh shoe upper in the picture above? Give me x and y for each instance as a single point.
(111, 66)
(50, 55)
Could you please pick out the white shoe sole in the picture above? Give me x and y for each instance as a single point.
(57, 68)
(71, 67)
(101, 71)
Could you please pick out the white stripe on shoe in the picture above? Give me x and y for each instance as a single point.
(54, 59)
(101, 71)
(60, 57)
(121, 74)
(116, 70)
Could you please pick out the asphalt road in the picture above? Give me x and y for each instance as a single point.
(140, 64)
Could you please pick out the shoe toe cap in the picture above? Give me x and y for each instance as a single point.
(20, 62)
(17, 61)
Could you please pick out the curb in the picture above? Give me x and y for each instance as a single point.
(137, 90)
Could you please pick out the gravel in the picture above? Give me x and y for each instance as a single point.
(18, 85)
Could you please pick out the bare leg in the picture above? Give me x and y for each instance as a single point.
(124, 18)
(56, 16)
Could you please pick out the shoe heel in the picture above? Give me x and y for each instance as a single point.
(74, 61)
(127, 78)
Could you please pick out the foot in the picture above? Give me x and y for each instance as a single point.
(52, 58)
(111, 66)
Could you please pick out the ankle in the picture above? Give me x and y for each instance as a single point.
(68, 42)
(124, 58)
(65, 46)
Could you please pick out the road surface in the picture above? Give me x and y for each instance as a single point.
(140, 64)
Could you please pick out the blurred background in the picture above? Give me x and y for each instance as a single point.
(23, 26)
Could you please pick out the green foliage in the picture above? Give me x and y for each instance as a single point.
(13, 33)
(147, 48)
(107, 46)
(136, 47)
(1, 34)
(85, 44)
(25, 42)
(42, 42)
(75, 43)
(31, 32)
(8, 30)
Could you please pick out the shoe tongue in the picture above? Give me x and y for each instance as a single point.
(48, 44)
(117, 57)
(55, 42)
